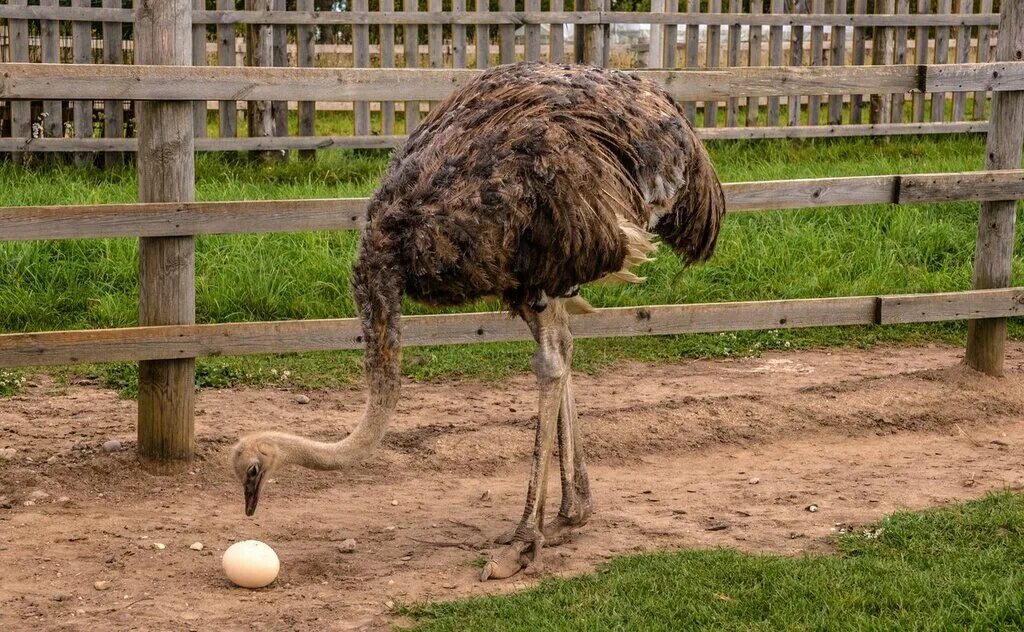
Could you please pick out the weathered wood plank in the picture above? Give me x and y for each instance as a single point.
(483, 36)
(53, 81)
(228, 109)
(198, 59)
(817, 59)
(166, 160)
(259, 57)
(900, 57)
(993, 251)
(532, 32)
(714, 54)
(984, 54)
(82, 54)
(692, 53)
(190, 341)
(361, 59)
(837, 57)
(388, 142)
(941, 57)
(21, 111)
(671, 38)
(921, 57)
(507, 35)
(49, 35)
(200, 218)
(556, 43)
(411, 45)
(113, 109)
(883, 48)
(279, 37)
(961, 56)
(860, 7)
(918, 308)
(459, 38)
(595, 16)
(775, 37)
(796, 56)
(754, 60)
(306, 58)
(732, 106)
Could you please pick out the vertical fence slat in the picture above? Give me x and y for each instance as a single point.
(860, 7)
(754, 60)
(945, 7)
(227, 113)
(837, 57)
(82, 37)
(796, 57)
(21, 111)
(692, 54)
(49, 30)
(279, 35)
(556, 37)
(435, 42)
(113, 109)
(920, 57)
(775, 36)
(507, 35)
(532, 33)
(387, 60)
(817, 58)
(714, 53)
(984, 50)
(459, 37)
(361, 59)
(199, 59)
(656, 50)
(483, 37)
(259, 51)
(732, 107)
(306, 58)
(962, 55)
(993, 259)
(411, 44)
(882, 46)
(670, 37)
(900, 57)
(166, 160)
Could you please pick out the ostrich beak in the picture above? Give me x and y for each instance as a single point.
(251, 486)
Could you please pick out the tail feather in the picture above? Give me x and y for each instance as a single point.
(691, 227)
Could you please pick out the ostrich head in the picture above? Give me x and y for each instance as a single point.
(253, 460)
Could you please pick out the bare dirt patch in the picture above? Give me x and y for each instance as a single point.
(701, 454)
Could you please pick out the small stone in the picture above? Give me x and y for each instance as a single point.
(101, 585)
(111, 446)
(301, 399)
(52, 459)
(391, 582)
(6, 454)
(64, 499)
(38, 495)
(389, 604)
(754, 481)
(29, 503)
(111, 559)
(486, 496)
(999, 442)
(80, 611)
(60, 597)
(812, 508)
(196, 546)
(159, 546)
(394, 503)
(348, 545)
(406, 558)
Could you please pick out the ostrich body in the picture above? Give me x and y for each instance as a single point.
(524, 184)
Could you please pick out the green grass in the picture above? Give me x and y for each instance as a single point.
(47, 285)
(959, 568)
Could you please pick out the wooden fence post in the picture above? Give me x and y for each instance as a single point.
(82, 43)
(993, 255)
(113, 109)
(593, 36)
(259, 51)
(166, 159)
(21, 111)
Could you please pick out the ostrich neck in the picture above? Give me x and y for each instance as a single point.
(320, 455)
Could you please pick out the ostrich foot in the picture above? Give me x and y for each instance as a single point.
(518, 555)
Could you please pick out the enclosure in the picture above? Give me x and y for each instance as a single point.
(759, 433)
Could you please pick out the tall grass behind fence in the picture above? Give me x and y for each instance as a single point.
(692, 34)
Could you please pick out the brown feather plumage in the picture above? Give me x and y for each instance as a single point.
(518, 184)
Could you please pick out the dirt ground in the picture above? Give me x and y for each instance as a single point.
(723, 453)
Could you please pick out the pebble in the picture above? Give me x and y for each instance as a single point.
(64, 499)
(348, 545)
(196, 546)
(812, 508)
(159, 546)
(391, 582)
(29, 503)
(60, 597)
(52, 459)
(111, 446)
(754, 481)
(449, 586)
(7, 454)
(38, 495)
(389, 604)
(394, 503)
(301, 399)
(101, 585)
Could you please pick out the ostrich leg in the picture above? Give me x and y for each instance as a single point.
(576, 505)
(551, 331)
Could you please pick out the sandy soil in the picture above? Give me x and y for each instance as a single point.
(701, 454)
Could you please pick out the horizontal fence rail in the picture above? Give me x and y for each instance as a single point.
(187, 83)
(202, 218)
(83, 14)
(189, 341)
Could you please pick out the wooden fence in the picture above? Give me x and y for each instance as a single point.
(686, 34)
(167, 218)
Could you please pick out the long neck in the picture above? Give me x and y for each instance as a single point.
(378, 286)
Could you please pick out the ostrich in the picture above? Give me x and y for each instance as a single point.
(526, 183)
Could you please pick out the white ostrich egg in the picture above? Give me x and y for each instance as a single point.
(251, 564)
